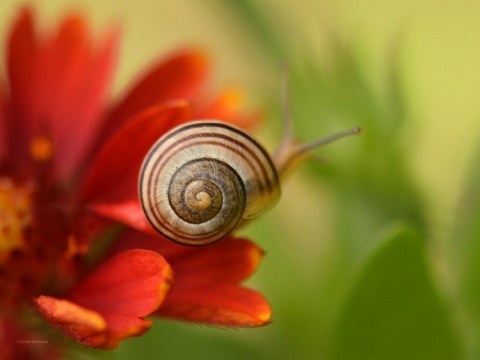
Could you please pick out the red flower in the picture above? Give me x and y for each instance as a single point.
(69, 165)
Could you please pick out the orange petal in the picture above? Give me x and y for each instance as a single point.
(229, 106)
(178, 77)
(224, 305)
(84, 326)
(109, 305)
(114, 174)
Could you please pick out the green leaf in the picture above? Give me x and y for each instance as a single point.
(393, 310)
(464, 251)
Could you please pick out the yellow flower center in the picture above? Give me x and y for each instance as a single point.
(15, 216)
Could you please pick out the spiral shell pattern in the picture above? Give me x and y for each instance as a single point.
(201, 179)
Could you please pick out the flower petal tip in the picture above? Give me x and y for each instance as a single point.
(82, 325)
(110, 305)
(196, 55)
(222, 305)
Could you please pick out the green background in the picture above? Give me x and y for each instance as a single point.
(379, 257)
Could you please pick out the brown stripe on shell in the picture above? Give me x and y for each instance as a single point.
(247, 149)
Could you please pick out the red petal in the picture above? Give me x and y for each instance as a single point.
(114, 174)
(132, 239)
(3, 130)
(126, 212)
(58, 89)
(229, 261)
(110, 304)
(207, 280)
(131, 284)
(21, 51)
(21, 48)
(224, 304)
(85, 88)
(89, 228)
(228, 106)
(179, 77)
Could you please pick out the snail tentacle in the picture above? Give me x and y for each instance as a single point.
(203, 179)
(291, 152)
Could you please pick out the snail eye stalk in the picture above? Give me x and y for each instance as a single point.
(203, 179)
(291, 152)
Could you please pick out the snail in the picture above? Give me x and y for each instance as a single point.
(203, 179)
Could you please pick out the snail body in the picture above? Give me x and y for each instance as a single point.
(201, 180)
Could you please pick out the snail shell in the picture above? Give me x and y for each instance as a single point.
(200, 180)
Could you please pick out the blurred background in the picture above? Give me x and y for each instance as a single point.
(373, 253)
